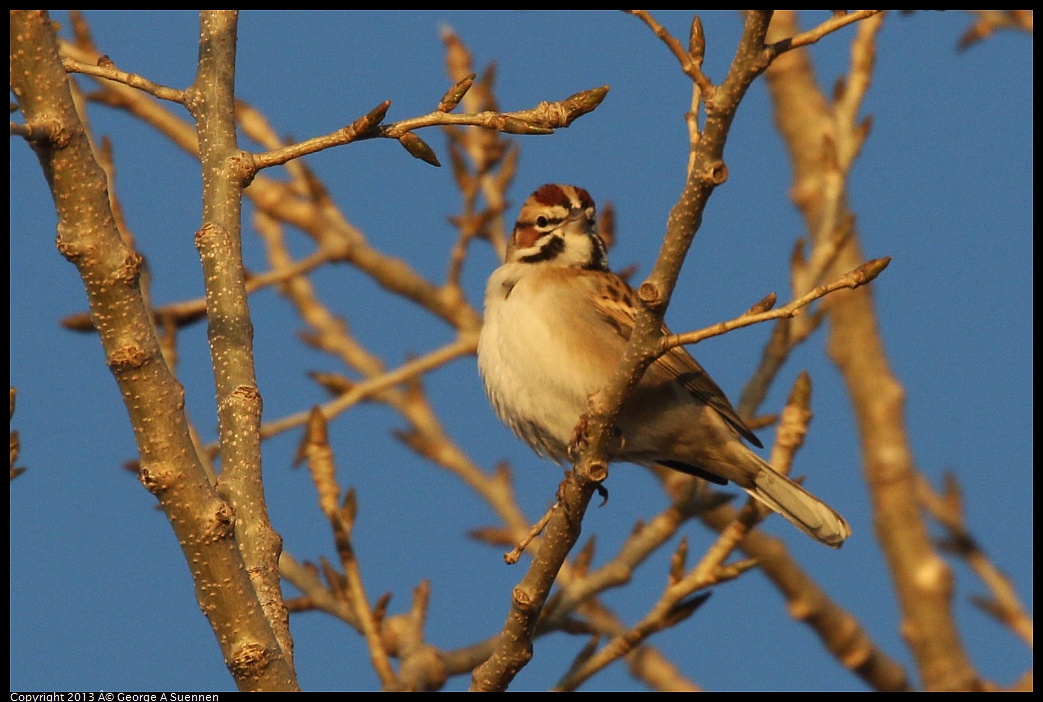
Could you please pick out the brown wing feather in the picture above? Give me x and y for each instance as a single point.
(680, 364)
(616, 303)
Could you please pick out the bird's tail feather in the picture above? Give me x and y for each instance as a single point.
(808, 513)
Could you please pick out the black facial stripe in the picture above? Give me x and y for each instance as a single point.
(552, 249)
(599, 258)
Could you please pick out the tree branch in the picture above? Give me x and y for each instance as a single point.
(922, 579)
(169, 466)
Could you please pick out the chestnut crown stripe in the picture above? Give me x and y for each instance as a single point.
(568, 196)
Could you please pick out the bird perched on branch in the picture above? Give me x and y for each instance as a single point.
(557, 321)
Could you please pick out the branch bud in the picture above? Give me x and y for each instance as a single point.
(514, 125)
(455, 94)
(418, 148)
(869, 270)
(370, 120)
(581, 103)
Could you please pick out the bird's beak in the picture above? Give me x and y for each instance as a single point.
(577, 222)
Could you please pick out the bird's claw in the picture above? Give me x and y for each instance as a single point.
(579, 437)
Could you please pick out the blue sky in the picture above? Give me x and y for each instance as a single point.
(100, 596)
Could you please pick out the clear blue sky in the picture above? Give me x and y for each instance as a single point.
(100, 595)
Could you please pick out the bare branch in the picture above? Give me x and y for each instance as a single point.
(372, 386)
(107, 70)
(319, 456)
(990, 21)
(542, 119)
(359, 129)
(922, 578)
(858, 277)
(838, 21)
(1004, 605)
(170, 466)
(691, 60)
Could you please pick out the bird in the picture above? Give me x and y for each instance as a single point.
(556, 323)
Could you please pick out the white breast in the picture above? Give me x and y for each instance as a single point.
(530, 360)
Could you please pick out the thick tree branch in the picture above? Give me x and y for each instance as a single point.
(211, 100)
(922, 578)
(169, 465)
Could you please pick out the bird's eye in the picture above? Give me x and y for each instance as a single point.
(542, 221)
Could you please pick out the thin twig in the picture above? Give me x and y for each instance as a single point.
(512, 556)
(853, 279)
(1005, 605)
(105, 69)
(811, 36)
(690, 64)
(371, 386)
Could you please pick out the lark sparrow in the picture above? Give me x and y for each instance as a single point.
(556, 324)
